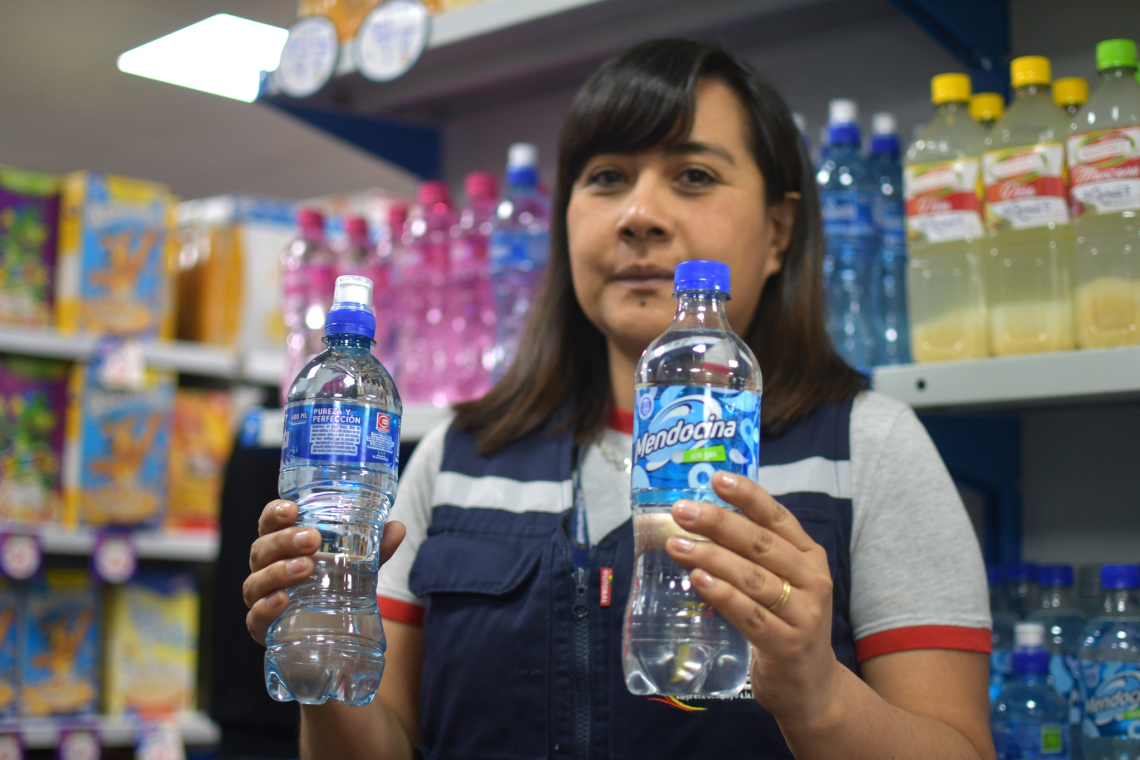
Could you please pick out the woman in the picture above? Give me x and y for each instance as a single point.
(673, 150)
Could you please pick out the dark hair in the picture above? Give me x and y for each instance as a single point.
(643, 98)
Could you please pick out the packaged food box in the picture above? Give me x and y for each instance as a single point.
(9, 652)
(59, 645)
(113, 254)
(33, 406)
(200, 447)
(117, 449)
(29, 213)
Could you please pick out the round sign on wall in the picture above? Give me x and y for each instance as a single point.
(391, 39)
(309, 57)
(20, 555)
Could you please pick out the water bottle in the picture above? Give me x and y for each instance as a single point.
(892, 335)
(697, 411)
(307, 272)
(519, 249)
(339, 463)
(473, 305)
(1021, 587)
(1001, 655)
(847, 197)
(386, 302)
(1110, 670)
(1064, 624)
(1030, 719)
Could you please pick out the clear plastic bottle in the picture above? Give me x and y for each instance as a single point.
(987, 108)
(946, 292)
(1029, 719)
(1089, 592)
(892, 332)
(1001, 655)
(386, 302)
(697, 411)
(307, 266)
(519, 250)
(1064, 625)
(339, 463)
(847, 191)
(1110, 670)
(1021, 587)
(1029, 282)
(1104, 161)
(356, 255)
(473, 305)
(1070, 93)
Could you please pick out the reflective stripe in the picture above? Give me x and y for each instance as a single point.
(811, 475)
(491, 492)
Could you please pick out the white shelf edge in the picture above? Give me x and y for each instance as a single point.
(190, 546)
(115, 731)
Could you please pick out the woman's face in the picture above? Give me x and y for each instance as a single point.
(632, 218)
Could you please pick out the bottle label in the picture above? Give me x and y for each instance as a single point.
(847, 213)
(1064, 672)
(1025, 187)
(683, 434)
(1001, 668)
(341, 431)
(890, 220)
(942, 200)
(1111, 693)
(1105, 171)
(1029, 740)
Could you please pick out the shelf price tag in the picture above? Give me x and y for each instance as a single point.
(11, 745)
(21, 555)
(309, 57)
(78, 744)
(114, 558)
(391, 39)
(120, 365)
(160, 741)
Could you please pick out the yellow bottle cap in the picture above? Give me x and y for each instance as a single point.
(1030, 69)
(987, 106)
(950, 88)
(1070, 91)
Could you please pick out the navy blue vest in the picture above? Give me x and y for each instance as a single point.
(521, 663)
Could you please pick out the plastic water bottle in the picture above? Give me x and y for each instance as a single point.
(1110, 670)
(519, 249)
(697, 411)
(1064, 625)
(473, 306)
(1001, 655)
(339, 463)
(356, 254)
(892, 335)
(1030, 719)
(386, 304)
(847, 197)
(1021, 588)
(306, 268)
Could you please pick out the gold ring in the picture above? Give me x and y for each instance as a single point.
(783, 597)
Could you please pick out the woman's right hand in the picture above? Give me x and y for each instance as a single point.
(280, 558)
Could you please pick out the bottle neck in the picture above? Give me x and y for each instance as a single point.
(1120, 601)
(348, 340)
(1118, 72)
(1056, 597)
(1031, 89)
(952, 108)
(700, 309)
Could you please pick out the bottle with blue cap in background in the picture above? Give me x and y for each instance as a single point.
(696, 412)
(892, 332)
(1064, 625)
(1001, 632)
(1021, 587)
(1029, 719)
(339, 463)
(1110, 670)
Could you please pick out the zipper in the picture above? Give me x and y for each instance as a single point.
(581, 666)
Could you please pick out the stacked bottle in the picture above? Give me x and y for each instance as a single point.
(1064, 625)
(308, 275)
(1029, 719)
(473, 306)
(892, 335)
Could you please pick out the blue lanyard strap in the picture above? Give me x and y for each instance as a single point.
(579, 530)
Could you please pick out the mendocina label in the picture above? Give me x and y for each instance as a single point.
(1111, 693)
(343, 432)
(1105, 171)
(682, 435)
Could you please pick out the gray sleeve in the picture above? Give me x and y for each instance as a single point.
(915, 560)
(413, 509)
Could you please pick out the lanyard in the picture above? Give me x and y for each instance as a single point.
(579, 530)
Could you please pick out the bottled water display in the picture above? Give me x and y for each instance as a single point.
(1110, 670)
(307, 271)
(1064, 624)
(1001, 656)
(472, 319)
(1029, 719)
(339, 463)
(697, 410)
(1021, 587)
(892, 336)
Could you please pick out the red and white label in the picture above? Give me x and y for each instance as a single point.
(1105, 171)
(942, 202)
(383, 423)
(1025, 187)
(607, 587)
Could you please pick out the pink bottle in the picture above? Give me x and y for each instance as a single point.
(308, 277)
(357, 254)
(472, 296)
(426, 341)
(385, 304)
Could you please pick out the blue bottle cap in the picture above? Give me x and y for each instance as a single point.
(701, 275)
(1120, 576)
(1020, 572)
(1055, 575)
(993, 574)
(351, 313)
(1030, 661)
(522, 176)
(884, 145)
(843, 134)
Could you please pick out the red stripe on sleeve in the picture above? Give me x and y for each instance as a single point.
(924, 637)
(620, 420)
(401, 612)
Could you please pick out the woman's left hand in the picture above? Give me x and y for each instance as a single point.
(741, 571)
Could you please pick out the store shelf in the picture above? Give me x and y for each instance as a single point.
(1071, 377)
(189, 546)
(115, 731)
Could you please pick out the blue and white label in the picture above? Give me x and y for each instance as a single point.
(1018, 740)
(1001, 668)
(1064, 672)
(342, 432)
(847, 213)
(1111, 693)
(682, 435)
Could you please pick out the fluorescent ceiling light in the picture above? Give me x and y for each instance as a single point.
(222, 55)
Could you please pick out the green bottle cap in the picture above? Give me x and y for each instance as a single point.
(1112, 54)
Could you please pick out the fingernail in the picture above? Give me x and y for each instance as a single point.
(281, 509)
(295, 566)
(727, 481)
(305, 539)
(686, 510)
(702, 579)
(277, 600)
(682, 544)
